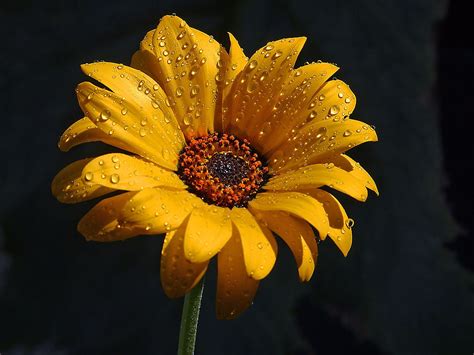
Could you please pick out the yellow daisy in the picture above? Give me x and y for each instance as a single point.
(226, 151)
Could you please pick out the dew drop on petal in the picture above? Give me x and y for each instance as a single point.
(104, 115)
(88, 176)
(194, 90)
(277, 54)
(181, 35)
(114, 178)
(187, 119)
(334, 110)
(350, 223)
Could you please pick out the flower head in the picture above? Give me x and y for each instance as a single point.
(224, 152)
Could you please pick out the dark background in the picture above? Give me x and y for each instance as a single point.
(406, 286)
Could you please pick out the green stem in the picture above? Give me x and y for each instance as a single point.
(189, 320)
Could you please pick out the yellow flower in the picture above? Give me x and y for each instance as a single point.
(225, 151)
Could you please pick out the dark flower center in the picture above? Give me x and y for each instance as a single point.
(229, 168)
(222, 170)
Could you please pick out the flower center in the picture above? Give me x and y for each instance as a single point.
(222, 170)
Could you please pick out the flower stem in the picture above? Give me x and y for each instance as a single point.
(189, 320)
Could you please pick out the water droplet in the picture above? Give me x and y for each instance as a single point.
(340, 95)
(194, 90)
(115, 159)
(312, 115)
(181, 35)
(142, 132)
(259, 245)
(350, 223)
(187, 119)
(321, 97)
(268, 48)
(263, 76)
(347, 133)
(334, 110)
(347, 100)
(124, 111)
(179, 91)
(322, 131)
(193, 72)
(104, 115)
(88, 176)
(277, 54)
(114, 178)
(252, 65)
(162, 43)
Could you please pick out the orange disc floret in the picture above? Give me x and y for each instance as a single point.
(222, 170)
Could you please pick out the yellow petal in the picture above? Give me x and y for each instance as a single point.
(355, 169)
(185, 62)
(297, 100)
(235, 288)
(340, 225)
(84, 131)
(157, 210)
(317, 141)
(101, 222)
(257, 88)
(69, 187)
(141, 90)
(299, 237)
(317, 175)
(178, 275)
(147, 41)
(258, 244)
(296, 203)
(124, 172)
(235, 64)
(143, 135)
(209, 228)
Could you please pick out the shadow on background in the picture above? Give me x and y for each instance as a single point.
(405, 288)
